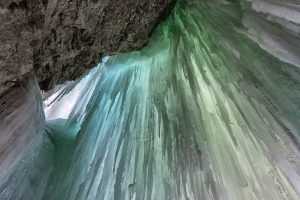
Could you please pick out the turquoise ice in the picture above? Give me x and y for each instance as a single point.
(209, 109)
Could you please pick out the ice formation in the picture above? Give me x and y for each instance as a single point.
(26, 157)
(209, 109)
(201, 113)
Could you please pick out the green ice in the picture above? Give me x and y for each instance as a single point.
(202, 112)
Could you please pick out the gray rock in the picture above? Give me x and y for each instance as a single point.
(60, 39)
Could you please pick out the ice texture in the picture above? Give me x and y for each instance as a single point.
(208, 110)
(26, 157)
(275, 26)
(203, 112)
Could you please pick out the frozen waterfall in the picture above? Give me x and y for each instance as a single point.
(208, 110)
(202, 112)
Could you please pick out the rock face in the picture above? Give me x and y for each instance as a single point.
(59, 39)
(16, 53)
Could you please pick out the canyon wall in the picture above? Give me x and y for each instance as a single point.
(59, 40)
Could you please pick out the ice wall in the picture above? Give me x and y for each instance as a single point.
(208, 110)
(25, 152)
(275, 26)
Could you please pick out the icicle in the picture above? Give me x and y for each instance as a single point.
(202, 112)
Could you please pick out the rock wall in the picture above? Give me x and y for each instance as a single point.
(59, 39)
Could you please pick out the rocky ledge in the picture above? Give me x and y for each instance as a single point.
(60, 39)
